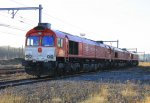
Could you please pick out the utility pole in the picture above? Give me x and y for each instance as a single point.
(8, 53)
(22, 52)
(15, 10)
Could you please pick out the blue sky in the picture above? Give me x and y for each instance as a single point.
(124, 20)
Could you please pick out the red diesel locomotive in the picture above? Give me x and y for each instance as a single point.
(52, 52)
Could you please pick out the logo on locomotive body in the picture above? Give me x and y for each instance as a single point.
(33, 54)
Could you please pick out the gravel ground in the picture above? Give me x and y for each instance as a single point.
(78, 89)
(135, 74)
(15, 61)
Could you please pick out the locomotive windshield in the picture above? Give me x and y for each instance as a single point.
(37, 40)
(48, 41)
(33, 41)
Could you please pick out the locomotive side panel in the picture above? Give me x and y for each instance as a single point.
(107, 53)
(135, 57)
(88, 51)
(120, 55)
(85, 50)
(80, 49)
(100, 52)
(92, 51)
(127, 56)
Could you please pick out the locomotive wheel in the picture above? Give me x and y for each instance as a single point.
(60, 69)
(67, 69)
(38, 76)
(38, 72)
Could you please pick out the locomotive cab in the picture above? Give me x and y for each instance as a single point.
(40, 48)
(40, 45)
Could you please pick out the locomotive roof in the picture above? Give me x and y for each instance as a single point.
(88, 41)
(118, 49)
(71, 37)
(78, 39)
(74, 38)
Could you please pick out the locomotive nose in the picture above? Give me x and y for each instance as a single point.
(39, 50)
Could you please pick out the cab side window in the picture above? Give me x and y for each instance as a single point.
(60, 42)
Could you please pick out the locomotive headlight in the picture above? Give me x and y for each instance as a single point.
(50, 56)
(40, 33)
(28, 56)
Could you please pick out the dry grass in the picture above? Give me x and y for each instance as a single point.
(9, 98)
(120, 93)
(147, 99)
(144, 64)
(16, 76)
(99, 97)
(75, 92)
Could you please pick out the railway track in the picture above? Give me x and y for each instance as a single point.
(13, 83)
(11, 71)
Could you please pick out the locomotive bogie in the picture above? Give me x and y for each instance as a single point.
(40, 68)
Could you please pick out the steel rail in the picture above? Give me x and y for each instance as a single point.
(20, 82)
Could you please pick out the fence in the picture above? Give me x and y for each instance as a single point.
(7, 52)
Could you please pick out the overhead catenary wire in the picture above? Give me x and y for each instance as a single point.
(22, 5)
(27, 19)
(84, 31)
(7, 33)
(60, 20)
(20, 21)
(18, 2)
(12, 27)
(76, 29)
(50, 16)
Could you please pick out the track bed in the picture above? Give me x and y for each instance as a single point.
(111, 85)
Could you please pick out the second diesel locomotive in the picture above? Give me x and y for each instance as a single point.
(53, 52)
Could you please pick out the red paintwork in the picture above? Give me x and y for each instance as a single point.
(88, 50)
(85, 50)
(46, 32)
(100, 52)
